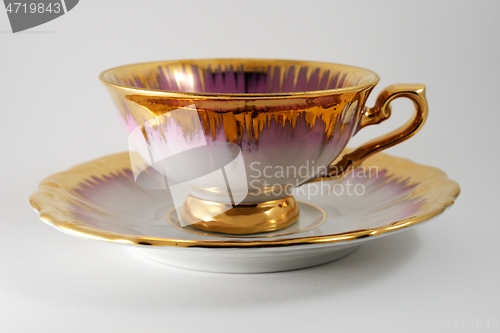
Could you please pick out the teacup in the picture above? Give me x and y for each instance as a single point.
(232, 136)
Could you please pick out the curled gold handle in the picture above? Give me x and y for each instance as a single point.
(377, 114)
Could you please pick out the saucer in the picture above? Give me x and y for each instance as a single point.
(100, 200)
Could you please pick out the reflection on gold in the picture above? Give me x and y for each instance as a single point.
(240, 220)
(249, 119)
(295, 228)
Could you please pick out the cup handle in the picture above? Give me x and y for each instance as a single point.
(377, 114)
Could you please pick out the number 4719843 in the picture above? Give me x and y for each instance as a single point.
(32, 8)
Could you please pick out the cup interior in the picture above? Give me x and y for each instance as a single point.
(239, 76)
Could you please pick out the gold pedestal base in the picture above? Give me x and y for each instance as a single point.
(240, 220)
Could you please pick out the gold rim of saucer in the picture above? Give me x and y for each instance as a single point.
(239, 96)
(440, 192)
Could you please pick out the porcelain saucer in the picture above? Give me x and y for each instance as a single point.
(100, 200)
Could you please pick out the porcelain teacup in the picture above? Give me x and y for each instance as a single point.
(232, 137)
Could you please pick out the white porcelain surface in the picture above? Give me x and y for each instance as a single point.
(260, 260)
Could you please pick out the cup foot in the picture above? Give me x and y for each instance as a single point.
(242, 219)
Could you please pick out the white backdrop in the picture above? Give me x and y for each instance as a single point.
(55, 113)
